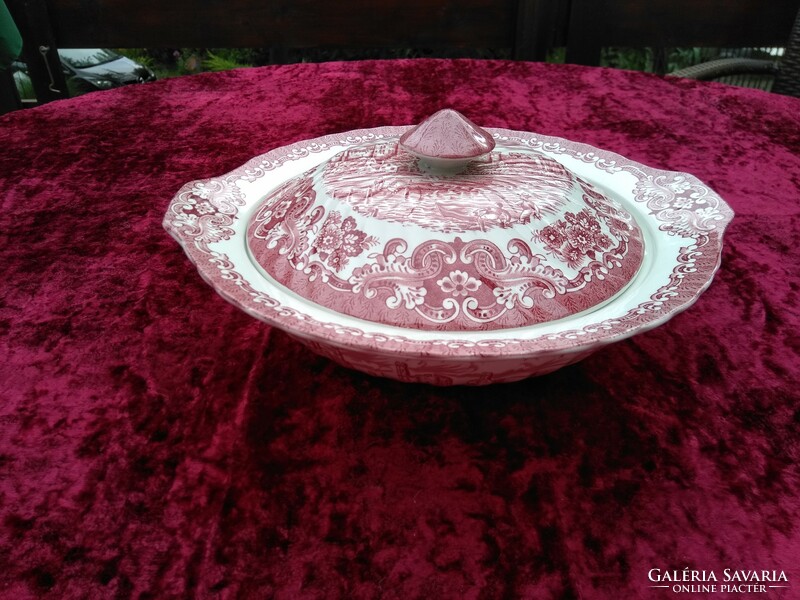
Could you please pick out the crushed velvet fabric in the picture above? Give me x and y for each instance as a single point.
(156, 442)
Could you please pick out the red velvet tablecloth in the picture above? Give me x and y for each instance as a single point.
(156, 442)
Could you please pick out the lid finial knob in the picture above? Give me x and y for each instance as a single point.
(446, 142)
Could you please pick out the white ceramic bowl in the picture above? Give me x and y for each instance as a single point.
(680, 222)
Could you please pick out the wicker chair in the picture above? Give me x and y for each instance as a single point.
(785, 72)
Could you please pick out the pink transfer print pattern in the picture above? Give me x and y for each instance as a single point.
(339, 240)
(534, 243)
(686, 220)
(458, 283)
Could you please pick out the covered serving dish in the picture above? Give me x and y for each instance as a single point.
(450, 254)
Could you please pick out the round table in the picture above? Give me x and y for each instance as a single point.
(157, 442)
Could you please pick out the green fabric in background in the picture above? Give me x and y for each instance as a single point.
(10, 39)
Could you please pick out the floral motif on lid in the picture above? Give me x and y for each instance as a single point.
(515, 240)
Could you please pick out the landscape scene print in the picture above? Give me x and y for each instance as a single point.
(514, 240)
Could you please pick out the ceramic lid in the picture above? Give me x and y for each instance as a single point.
(491, 238)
